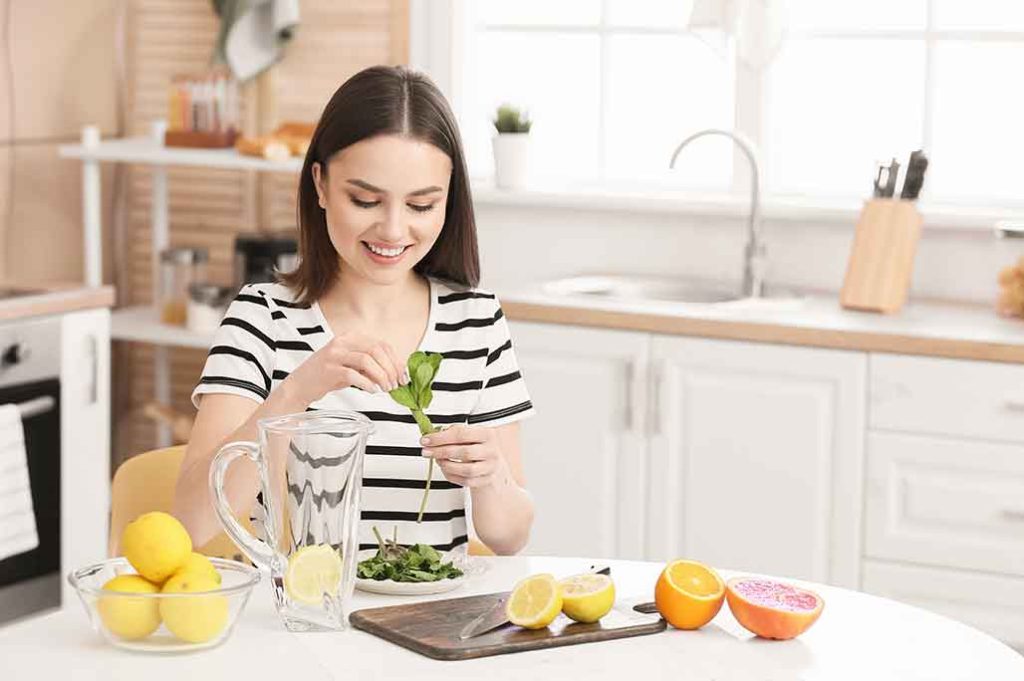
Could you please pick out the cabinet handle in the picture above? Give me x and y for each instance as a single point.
(1013, 515)
(94, 370)
(628, 413)
(656, 379)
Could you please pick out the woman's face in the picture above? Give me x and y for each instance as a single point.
(384, 198)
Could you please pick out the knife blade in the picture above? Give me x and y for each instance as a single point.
(495, 616)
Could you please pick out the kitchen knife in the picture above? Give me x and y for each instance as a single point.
(916, 168)
(495, 616)
(885, 179)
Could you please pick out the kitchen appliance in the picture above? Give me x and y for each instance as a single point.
(259, 256)
(30, 378)
(433, 628)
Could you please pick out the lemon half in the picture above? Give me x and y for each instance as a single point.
(312, 572)
(535, 602)
(588, 597)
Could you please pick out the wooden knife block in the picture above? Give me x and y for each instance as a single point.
(882, 257)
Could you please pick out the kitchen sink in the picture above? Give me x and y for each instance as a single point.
(644, 287)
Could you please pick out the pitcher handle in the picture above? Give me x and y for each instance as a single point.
(259, 552)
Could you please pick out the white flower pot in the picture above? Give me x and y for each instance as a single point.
(511, 159)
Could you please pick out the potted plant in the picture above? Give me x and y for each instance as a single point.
(511, 147)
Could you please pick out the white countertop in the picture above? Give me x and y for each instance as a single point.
(858, 637)
(927, 328)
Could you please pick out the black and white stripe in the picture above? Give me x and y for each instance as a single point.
(266, 335)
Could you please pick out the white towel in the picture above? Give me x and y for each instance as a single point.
(17, 516)
(253, 33)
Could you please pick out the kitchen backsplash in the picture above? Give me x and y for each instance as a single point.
(524, 245)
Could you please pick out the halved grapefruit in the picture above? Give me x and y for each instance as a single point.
(772, 609)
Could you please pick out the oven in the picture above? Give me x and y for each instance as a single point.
(30, 353)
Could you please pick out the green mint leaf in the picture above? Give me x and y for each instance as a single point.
(415, 360)
(424, 375)
(426, 396)
(404, 396)
(435, 361)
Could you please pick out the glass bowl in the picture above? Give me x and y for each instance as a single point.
(202, 618)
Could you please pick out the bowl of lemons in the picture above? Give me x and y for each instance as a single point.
(160, 596)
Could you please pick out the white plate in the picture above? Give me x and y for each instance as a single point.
(392, 588)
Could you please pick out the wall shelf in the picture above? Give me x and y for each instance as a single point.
(141, 324)
(147, 151)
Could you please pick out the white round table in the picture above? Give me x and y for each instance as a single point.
(858, 637)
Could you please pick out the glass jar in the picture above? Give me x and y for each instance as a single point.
(207, 304)
(179, 269)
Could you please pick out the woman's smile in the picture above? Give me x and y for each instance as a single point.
(384, 254)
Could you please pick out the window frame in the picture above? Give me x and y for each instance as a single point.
(438, 36)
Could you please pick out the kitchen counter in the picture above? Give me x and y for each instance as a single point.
(857, 637)
(921, 328)
(53, 299)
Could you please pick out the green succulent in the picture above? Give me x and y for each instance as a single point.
(510, 119)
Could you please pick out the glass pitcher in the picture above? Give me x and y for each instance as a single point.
(311, 469)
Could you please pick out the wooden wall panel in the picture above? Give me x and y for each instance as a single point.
(335, 39)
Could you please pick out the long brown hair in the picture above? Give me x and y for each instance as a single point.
(383, 100)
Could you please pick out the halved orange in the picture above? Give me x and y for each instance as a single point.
(689, 594)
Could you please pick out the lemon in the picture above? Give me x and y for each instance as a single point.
(312, 572)
(535, 602)
(195, 619)
(156, 545)
(129, 618)
(587, 598)
(198, 563)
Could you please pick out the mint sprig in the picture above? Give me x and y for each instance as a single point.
(416, 395)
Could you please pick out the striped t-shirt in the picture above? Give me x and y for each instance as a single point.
(265, 335)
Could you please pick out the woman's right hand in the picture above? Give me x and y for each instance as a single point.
(350, 359)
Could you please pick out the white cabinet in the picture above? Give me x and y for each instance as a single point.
(946, 502)
(746, 456)
(947, 397)
(85, 438)
(757, 450)
(584, 452)
(992, 603)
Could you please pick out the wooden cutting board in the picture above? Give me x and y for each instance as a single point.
(432, 628)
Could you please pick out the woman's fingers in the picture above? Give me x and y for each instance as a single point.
(351, 377)
(455, 453)
(384, 359)
(369, 367)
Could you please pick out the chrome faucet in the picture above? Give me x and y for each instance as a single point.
(754, 263)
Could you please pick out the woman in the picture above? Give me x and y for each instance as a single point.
(388, 266)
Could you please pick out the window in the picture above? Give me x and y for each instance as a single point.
(614, 85)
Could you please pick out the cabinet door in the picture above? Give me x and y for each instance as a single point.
(85, 438)
(757, 457)
(583, 452)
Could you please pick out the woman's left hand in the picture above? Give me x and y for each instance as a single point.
(468, 456)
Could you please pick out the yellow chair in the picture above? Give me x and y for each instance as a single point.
(146, 482)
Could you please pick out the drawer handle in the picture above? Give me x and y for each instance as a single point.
(1013, 515)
